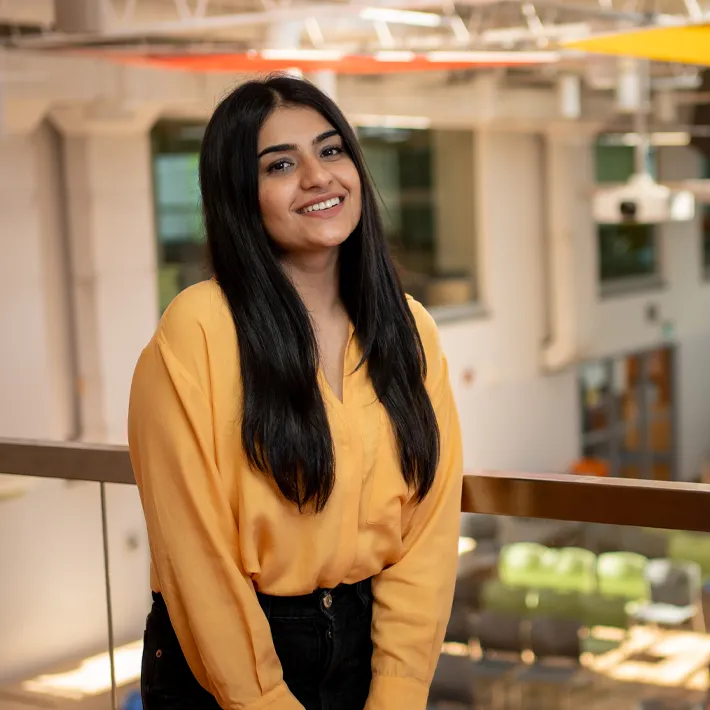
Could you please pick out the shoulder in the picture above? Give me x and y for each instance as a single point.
(195, 334)
(196, 315)
(426, 325)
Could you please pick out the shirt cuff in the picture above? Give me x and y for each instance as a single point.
(280, 698)
(396, 693)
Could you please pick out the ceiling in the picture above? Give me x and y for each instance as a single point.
(349, 25)
(227, 35)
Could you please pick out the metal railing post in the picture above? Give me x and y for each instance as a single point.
(109, 606)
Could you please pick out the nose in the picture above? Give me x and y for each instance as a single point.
(314, 174)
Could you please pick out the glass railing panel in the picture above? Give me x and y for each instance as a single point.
(53, 614)
(59, 516)
(129, 567)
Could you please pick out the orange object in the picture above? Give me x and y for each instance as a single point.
(591, 467)
(312, 61)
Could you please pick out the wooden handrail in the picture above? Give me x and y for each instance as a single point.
(617, 501)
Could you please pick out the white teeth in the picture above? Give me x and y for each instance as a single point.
(323, 205)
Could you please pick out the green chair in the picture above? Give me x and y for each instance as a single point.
(599, 610)
(526, 564)
(622, 574)
(554, 604)
(575, 570)
(501, 598)
(690, 547)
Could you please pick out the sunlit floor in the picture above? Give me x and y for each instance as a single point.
(652, 656)
(647, 663)
(81, 686)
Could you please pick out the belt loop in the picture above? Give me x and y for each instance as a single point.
(363, 587)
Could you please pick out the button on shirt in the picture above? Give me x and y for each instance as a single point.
(218, 530)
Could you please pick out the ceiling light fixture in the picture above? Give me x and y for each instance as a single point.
(402, 17)
(660, 138)
(493, 57)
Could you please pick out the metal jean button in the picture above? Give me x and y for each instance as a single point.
(327, 600)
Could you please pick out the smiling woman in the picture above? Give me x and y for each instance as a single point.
(309, 190)
(294, 436)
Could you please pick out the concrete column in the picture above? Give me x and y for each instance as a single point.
(36, 374)
(107, 162)
(570, 247)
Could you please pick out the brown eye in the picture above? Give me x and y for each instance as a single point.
(279, 166)
(332, 151)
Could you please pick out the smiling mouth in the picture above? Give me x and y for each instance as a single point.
(322, 206)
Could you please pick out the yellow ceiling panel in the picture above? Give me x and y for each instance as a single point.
(688, 44)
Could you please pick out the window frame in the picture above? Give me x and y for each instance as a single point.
(633, 283)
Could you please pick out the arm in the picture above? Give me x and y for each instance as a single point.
(412, 598)
(193, 537)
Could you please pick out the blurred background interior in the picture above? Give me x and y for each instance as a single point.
(544, 172)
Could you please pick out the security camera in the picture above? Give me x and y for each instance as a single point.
(643, 201)
(628, 210)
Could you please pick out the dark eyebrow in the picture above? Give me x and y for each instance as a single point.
(286, 147)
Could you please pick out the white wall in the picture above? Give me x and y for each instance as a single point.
(513, 417)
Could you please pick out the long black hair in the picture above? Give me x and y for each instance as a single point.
(285, 429)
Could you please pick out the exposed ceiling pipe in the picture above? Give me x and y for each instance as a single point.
(694, 10)
(86, 21)
(582, 10)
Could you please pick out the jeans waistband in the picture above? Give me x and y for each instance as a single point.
(321, 600)
(343, 599)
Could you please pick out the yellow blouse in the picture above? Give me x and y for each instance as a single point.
(218, 530)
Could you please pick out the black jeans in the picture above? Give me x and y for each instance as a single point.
(323, 641)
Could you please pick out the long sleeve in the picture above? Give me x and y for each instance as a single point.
(194, 538)
(413, 596)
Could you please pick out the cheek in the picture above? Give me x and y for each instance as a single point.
(355, 190)
(271, 204)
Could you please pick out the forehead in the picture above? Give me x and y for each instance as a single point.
(292, 125)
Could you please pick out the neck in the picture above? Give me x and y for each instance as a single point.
(315, 277)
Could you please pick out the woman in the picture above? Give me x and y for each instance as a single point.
(294, 437)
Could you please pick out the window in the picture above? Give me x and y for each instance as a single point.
(625, 250)
(628, 410)
(425, 181)
(181, 253)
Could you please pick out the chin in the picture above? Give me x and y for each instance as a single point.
(329, 241)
